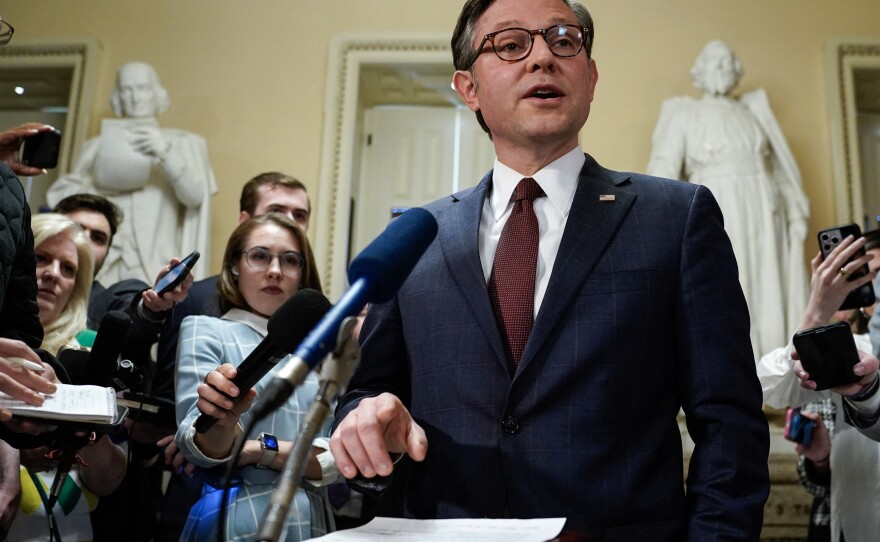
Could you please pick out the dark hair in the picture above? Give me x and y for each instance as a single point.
(227, 286)
(250, 190)
(463, 53)
(92, 202)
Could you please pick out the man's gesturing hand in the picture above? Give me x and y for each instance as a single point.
(378, 426)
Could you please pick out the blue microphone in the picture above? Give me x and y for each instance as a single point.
(375, 276)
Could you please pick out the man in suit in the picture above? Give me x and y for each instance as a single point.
(637, 313)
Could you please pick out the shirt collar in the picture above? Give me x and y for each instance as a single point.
(558, 179)
(254, 321)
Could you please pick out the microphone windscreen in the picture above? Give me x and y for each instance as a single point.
(109, 343)
(110, 338)
(388, 260)
(293, 320)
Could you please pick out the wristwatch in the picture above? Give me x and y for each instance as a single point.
(269, 444)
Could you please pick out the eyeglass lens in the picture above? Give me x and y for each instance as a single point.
(6, 31)
(259, 258)
(515, 43)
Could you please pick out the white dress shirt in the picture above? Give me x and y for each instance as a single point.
(559, 180)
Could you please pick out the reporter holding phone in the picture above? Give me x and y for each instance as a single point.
(64, 274)
(267, 260)
(852, 458)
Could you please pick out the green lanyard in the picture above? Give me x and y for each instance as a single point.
(54, 533)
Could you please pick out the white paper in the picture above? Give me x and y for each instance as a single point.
(70, 402)
(121, 167)
(451, 530)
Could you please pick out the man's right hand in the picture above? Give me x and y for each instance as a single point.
(19, 382)
(378, 426)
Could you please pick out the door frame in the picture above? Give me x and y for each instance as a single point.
(82, 56)
(843, 57)
(349, 53)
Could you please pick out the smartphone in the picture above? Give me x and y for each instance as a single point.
(829, 238)
(828, 353)
(798, 428)
(41, 149)
(176, 275)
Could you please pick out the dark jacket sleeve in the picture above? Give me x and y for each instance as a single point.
(728, 478)
(19, 315)
(202, 299)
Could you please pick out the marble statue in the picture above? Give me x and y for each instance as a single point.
(159, 177)
(735, 147)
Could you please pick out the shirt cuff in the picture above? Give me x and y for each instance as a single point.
(329, 472)
(866, 403)
(199, 458)
(150, 315)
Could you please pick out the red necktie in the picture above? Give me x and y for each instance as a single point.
(512, 282)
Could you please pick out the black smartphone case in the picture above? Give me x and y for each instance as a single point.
(828, 354)
(41, 149)
(829, 238)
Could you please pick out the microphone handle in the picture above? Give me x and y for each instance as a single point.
(275, 517)
(204, 422)
(335, 374)
(249, 372)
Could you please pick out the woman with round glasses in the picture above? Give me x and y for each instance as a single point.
(267, 260)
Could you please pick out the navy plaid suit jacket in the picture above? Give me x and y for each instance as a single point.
(643, 315)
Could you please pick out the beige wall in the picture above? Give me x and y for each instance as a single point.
(250, 76)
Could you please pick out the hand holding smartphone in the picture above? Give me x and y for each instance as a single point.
(829, 239)
(41, 149)
(828, 353)
(798, 428)
(176, 274)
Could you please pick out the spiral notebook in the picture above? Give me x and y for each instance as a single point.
(95, 404)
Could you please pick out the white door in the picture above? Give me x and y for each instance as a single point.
(412, 155)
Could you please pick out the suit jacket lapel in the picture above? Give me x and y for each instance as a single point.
(592, 222)
(459, 228)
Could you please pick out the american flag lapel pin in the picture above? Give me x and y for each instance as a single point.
(606, 197)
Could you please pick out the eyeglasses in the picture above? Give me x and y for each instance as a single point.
(6, 32)
(259, 258)
(512, 44)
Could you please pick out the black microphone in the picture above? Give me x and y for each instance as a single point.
(375, 276)
(286, 328)
(104, 359)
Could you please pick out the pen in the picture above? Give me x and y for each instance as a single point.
(26, 364)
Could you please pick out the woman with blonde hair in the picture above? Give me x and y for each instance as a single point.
(64, 279)
(65, 263)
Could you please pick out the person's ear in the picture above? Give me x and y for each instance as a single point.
(593, 72)
(242, 216)
(465, 84)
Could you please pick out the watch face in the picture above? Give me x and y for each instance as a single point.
(270, 442)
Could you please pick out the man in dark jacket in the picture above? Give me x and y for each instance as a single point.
(20, 329)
